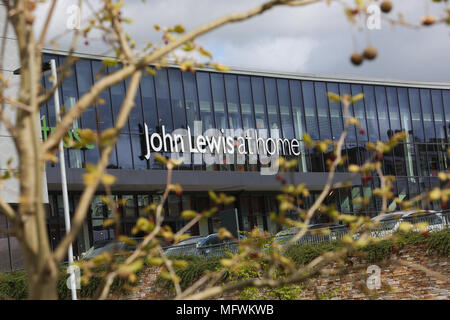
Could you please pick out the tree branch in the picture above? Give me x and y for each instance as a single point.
(89, 191)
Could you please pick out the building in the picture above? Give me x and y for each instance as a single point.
(293, 104)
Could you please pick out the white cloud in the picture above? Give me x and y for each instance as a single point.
(313, 39)
(279, 54)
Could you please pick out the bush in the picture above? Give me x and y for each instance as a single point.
(14, 285)
(196, 268)
(304, 253)
(439, 242)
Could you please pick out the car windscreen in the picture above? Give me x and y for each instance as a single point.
(98, 249)
(188, 242)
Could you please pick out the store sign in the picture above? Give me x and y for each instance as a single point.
(214, 146)
(72, 134)
(229, 146)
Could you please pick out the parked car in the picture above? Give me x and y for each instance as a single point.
(213, 245)
(313, 233)
(107, 246)
(188, 246)
(390, 222)
(434, 219)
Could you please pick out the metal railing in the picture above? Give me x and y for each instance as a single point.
(314, 237)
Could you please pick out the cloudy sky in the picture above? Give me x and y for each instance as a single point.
(317, 39)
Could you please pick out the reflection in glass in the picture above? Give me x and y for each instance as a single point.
(218, 93)
(163, 100)
(436, 102)
(393, 109)
(310, 109)
(124, 152)
(359, 113)
(427, 115)
(371, 113)
(177, 99)
(299, 121)
(285, 108)
(416, 115)
(382, 113)
(259, 101)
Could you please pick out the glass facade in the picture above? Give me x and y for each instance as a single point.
(176, 99)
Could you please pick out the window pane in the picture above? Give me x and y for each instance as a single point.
(310, 109)
(383, 118)
(163, 100)
(218, 92)
(414, 101)
(177, 98)
(129, 208)
(425, 101)
(446, 100)
(285, 108)
(322, 110)
(371, 113)
(139, 151)
(259, 101)
(351, 132)
(89, 117)
(234, 113)
(246, 102)
(393, 109)
(150, 112)
(405, 116)
(105, 119)
(272, 104)
(299, 121)
(438, 113)
(335, 112)
(204, 95)
(359, 113)
(84, 81)
(136, 118)
(69, 98)
(190, 94)
(143, 202)
(124, 152)
(117, 97)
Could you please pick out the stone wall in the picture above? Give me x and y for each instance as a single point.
(397, 281)
(350, 282)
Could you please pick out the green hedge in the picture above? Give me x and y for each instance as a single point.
(14, 285)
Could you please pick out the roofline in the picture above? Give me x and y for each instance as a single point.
(288, 75)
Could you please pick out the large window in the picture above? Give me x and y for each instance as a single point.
(177, 99)
(322, 110)
(285, 108)
(310, 109)
(259, 101)
(382, 112)
(218, 91)
(163, 100)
